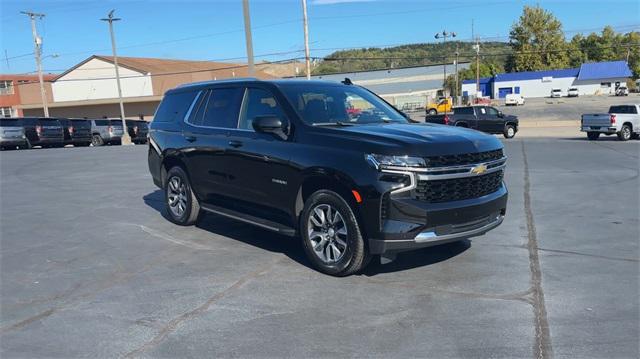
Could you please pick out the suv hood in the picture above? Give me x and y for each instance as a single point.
(410, 139)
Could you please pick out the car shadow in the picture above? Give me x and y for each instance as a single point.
(292, 248)
(612, 138)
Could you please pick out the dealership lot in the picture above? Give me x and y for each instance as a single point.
(89, 267)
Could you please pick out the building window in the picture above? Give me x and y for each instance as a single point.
(605, 84)
(6, 87)
(6, 112)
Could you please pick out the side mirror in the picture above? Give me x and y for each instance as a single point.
(270, 124)
(500, 114)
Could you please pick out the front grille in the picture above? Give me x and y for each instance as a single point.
(463, 159)
(457, 189)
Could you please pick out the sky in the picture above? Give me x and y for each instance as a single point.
(213, 29)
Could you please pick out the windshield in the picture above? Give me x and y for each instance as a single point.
(336, 104)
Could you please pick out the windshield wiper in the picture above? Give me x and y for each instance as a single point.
(337, 123)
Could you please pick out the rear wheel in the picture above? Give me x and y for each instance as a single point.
(625, 133)
(509, 131)
(331, 236)
(593, 135)
(433, 111)
(96, 140)
(180, 201)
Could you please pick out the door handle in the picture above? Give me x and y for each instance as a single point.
(235, 144)
(189, 137)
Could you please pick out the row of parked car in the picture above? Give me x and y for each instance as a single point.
(28, 132)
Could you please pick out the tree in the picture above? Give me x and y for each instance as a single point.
(537, 41)
(574, 49)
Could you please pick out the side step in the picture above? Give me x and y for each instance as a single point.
(243, 217)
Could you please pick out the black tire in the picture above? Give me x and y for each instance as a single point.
(97, 140)
(190, 204)
(354, 256)
(509, 131)
(625, 133)
(592, 136)
(432, 111)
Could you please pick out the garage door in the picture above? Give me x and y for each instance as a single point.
(504, 91)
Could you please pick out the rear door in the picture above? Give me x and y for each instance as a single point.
(206, 133)
(465, 115)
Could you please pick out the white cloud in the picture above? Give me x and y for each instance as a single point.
(332, 2)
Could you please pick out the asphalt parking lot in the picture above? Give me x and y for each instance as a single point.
(90, 268)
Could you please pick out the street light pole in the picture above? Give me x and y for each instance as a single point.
(126, 140)
(248, 37)
(38, 53)
(457, 102)
(443, 35)
(307, 57)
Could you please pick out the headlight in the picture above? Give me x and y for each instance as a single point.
(381, 161)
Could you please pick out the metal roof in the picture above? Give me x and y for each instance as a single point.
(535, 75)
(604, 70)
(483, 80)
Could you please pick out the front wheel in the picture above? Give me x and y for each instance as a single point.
(180, 201)
(433, 111)
(331, 236)
(509, 131)
(625, 133)
(592, 136)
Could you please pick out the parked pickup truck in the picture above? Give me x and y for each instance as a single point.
(482, 118)
(622, 120)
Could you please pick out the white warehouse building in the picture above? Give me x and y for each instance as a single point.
(598, 78)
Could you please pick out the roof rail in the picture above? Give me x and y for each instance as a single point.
(233, 79)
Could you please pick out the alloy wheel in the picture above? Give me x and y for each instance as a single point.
(327, 231)
(511, 131)
(177, 196)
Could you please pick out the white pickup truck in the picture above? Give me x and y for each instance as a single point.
(622, 120)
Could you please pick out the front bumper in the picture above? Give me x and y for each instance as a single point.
(413, 224)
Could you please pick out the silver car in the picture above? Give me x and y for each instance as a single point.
(12, 134)
(106, 132)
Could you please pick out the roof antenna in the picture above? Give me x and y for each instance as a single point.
(347, 81)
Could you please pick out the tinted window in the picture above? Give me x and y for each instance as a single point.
(258, 102)
(492, 111)
(223, 107)
(115, 123)
(197, 113)
(622, 109)
(463, 111)
(9, 122)
(102, 122)
(48, 122)
(174, 106)
(80, 123)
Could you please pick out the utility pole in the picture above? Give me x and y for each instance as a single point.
(477, 48)
(38, 53)
(457, 102)
(443, 35)
(247, 35)
(126, 139)
(307, 57)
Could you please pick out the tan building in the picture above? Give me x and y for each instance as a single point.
(89, 89)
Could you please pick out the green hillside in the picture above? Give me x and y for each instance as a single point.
(409, 55)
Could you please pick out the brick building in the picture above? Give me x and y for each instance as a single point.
(19, 89)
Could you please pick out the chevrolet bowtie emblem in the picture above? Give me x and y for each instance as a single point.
(479, 169)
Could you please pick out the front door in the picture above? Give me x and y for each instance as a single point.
(260, 173)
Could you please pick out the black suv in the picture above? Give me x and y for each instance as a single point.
(76, 131)
(138, 130)
(43, 131)
(331, 163)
